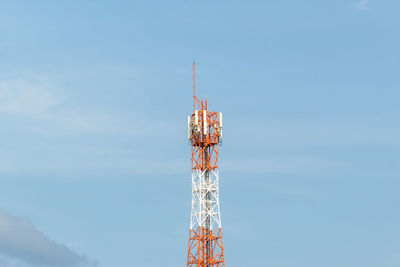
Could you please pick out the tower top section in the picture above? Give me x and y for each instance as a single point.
(205, 134)
(204, 126)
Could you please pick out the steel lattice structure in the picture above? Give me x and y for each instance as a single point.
(205, 237)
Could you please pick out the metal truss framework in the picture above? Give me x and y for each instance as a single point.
(205, 236)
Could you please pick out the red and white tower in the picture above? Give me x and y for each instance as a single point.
(205, 237)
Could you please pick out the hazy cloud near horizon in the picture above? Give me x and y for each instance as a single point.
(21, 244)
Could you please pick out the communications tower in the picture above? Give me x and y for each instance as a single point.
(205, 135)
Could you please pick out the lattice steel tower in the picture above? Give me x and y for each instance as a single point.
(205, 135)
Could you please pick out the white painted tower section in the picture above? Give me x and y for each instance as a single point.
(205, 200)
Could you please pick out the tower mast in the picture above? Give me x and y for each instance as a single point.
(205, 235)
(194, 87)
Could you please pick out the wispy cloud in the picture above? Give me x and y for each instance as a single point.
(39, 98)
(300, 133)
(281, 164)
(59, 131)
(50, 134)
(362, 4)
(20, 241)
(32, 97)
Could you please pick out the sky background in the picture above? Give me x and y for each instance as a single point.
(94, 160)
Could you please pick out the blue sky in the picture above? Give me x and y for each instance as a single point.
(94, 161)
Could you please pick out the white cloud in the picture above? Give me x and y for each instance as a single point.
(21, 244)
